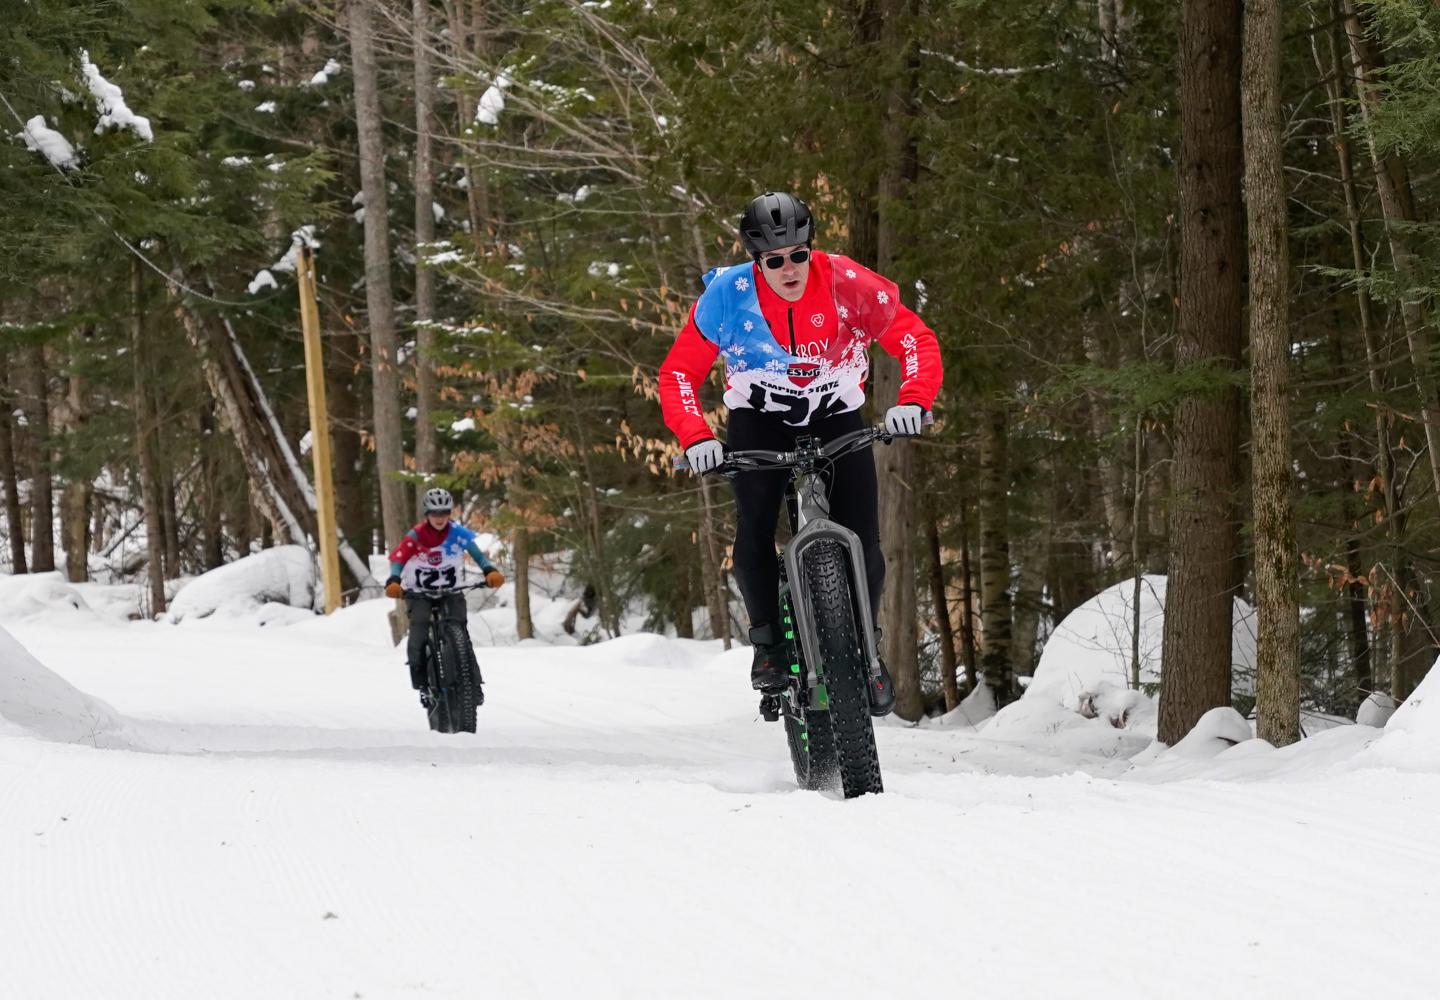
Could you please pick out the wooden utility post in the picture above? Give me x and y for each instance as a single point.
(319, 429)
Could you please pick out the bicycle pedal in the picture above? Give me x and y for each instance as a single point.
(770, 708)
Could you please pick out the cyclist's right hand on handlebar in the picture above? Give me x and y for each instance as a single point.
(705, 456)
(494, 578)
(904, 420)
(393, 588)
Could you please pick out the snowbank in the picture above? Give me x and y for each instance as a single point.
(1091, 647)
(1411, 738)
(35, 698)
(283, 575)
(32, 594)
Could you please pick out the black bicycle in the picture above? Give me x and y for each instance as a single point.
(829, 634)
(453, 686)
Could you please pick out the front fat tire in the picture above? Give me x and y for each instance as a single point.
(844, 670)
(462, 678)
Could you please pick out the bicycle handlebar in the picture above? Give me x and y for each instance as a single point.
(755, 458)
(447, 591)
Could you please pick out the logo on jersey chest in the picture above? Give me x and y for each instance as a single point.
(806, 368)
(802, 373)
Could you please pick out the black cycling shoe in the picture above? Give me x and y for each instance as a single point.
(881, 690)
(882, 693)
(769, 671)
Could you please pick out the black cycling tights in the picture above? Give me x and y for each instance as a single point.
(758, 497)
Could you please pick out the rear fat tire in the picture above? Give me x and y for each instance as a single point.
(844, 670)
(814, 758)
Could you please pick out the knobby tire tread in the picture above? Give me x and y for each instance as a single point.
(845, 671)
(462, 691)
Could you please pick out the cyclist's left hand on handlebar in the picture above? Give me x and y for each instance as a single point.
(705, 456)
(904, 420)
(494, 578)
(393, 588)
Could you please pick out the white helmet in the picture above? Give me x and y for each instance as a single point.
(438, 500)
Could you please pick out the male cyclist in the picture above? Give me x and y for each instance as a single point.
(794, 325)
(429, 558)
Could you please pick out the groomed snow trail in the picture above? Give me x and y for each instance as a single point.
(623, 825)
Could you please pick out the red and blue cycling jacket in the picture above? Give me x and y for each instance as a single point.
(803, 360)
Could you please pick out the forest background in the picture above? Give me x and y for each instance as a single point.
(1181, 260)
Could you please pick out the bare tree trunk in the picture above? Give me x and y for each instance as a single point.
(1395, 202)
(1276, 581)
(169, 518)
(1334, 73)
(341, 395)
(895, 465)
(1201, 589)
(427, 449)
(995, 610)
(42, 504)
(75, 499)
(9, 469)
(389, 457)
(948, 680)
(967, 603)
(712, 573)
(146, 430)
(212, 531)
(1110, 469)
(1029, 595)
(524, 627)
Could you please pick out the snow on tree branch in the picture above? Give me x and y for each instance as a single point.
(51, 144)
(987, 71)
(492, 102)
(114, 112)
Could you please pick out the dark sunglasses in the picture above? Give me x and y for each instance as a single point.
(796, 257)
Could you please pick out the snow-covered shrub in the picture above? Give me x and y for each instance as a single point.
(31, 594)
(282, 575)
(1375, 710)
(1091, 648)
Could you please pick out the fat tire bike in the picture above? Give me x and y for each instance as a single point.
(828, 634)
(453, 686)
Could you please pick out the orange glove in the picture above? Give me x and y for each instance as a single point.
(393, 588)
(494, 578)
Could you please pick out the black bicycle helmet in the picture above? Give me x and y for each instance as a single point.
(773, 221)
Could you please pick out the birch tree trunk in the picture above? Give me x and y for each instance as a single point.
(427, 454)
(380, 308)
(1276, 583)
(1203, 529)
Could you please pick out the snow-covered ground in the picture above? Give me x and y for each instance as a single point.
(224, 808)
